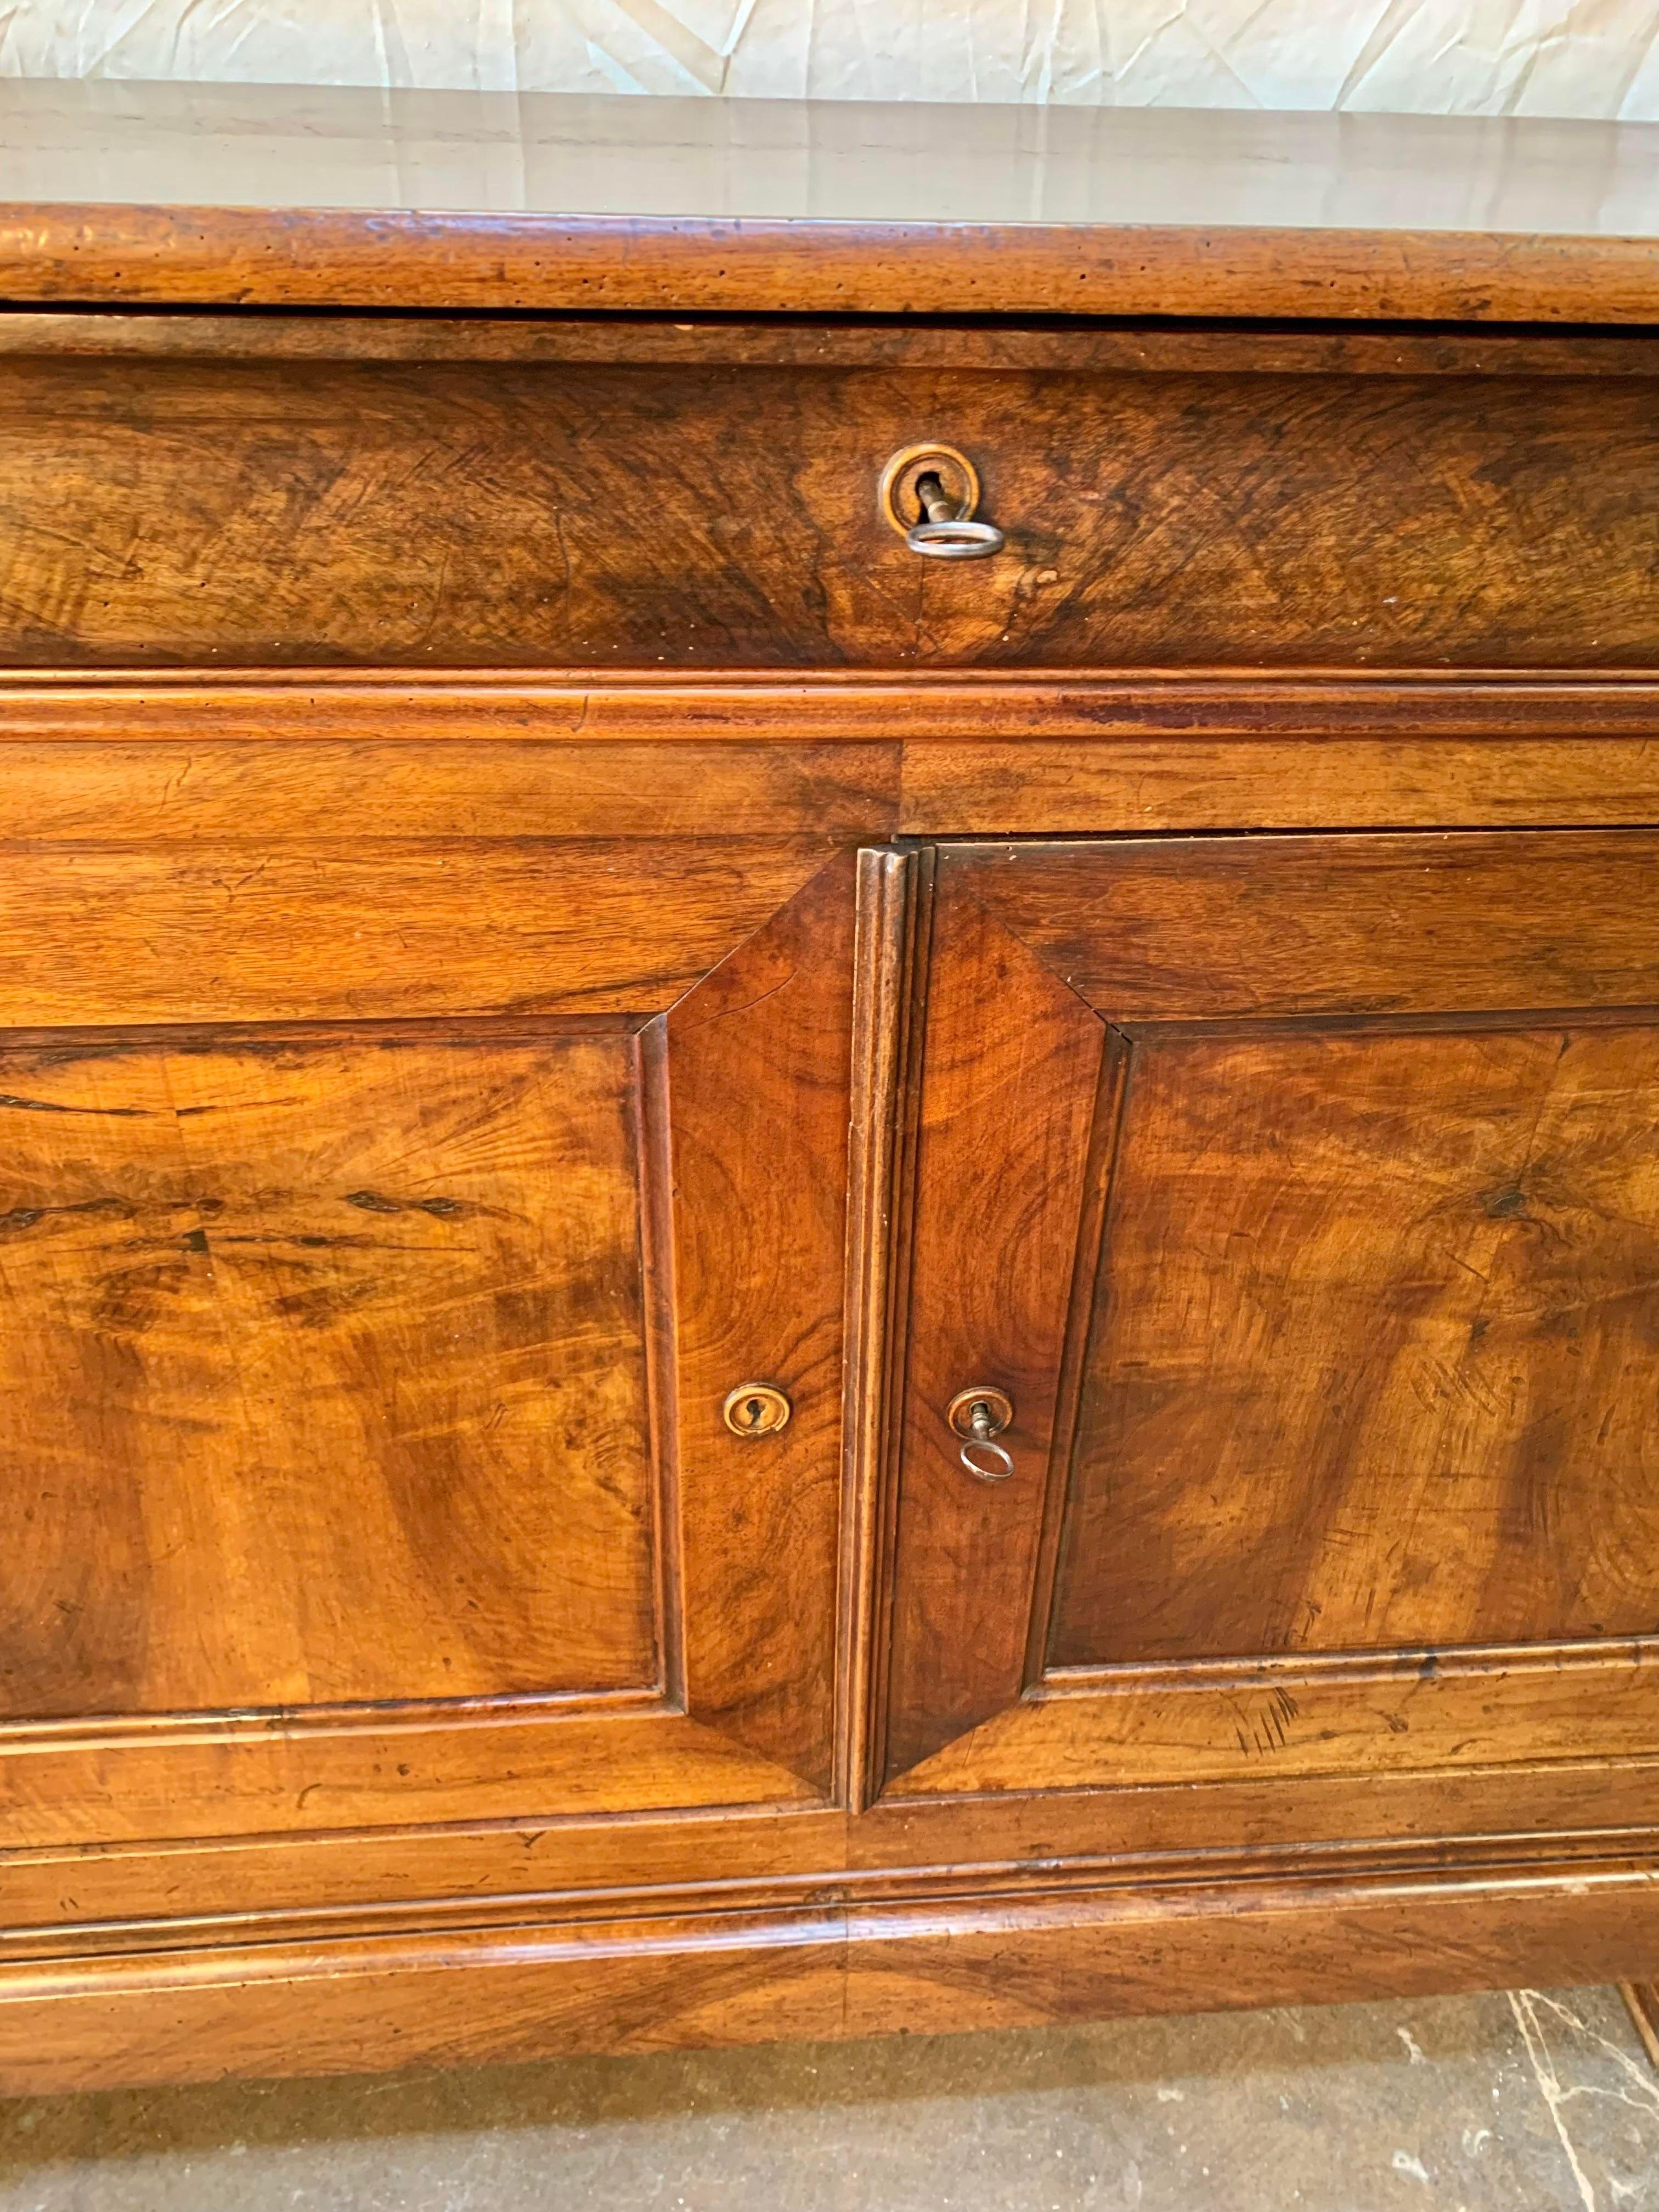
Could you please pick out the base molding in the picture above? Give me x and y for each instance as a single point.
(374, 2004)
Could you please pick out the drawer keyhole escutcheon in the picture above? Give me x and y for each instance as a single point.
(979, 1415)
(930, 495)
(756, 1409)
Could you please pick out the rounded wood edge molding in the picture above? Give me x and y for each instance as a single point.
(102, 254)
(1018, 707)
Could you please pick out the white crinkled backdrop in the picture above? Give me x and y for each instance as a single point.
(1583, 58)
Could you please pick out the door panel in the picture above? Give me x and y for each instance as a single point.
(1364, 1372)
(362, 1406)
(1330, 1447)
(333, 1354)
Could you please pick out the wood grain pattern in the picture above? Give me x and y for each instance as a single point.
(1012, 712)
(451, 1041)
(1085, 346)
(325, 1373)
(466, 720)
(1007, 1050)
(1259, 1821)
(892, 918)
(349, 1800)
(177, 760)
(298, 787)
(1410, 1713)
(152, 1783)
(824, 1973)
(402, 1875)
(1362, 1375)
(1217, 928)
(452, 514)
(440, 1316)
(93, 933)
(760, 1059)
(1370, 1373)
(199, 255)
(1081, 787)
(371, 2006)
(1030, 1964)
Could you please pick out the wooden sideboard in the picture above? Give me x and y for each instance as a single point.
(753, 1284)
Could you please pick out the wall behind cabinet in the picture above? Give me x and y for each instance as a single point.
(1568, 57)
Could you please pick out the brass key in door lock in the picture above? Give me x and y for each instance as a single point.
(979, 1415)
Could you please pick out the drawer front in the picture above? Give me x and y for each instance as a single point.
(238, 511)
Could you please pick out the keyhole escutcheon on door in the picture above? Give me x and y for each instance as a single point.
(756, 1409)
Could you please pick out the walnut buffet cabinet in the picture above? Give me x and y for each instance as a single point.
(828, 1070)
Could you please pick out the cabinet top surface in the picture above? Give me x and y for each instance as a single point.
(346, 198)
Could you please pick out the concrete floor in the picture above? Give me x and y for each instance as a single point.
(1526, 2102)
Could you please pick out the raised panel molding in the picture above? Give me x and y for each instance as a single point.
(762, 1745)
(1539, 1673)
(758, 1066)
(457, 1223)
(255, 1282)
(1010, 1064)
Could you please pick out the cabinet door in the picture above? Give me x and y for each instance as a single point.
(362, 1381)
(1303, 1194)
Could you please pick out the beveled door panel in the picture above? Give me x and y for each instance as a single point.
(362, 1391)
(331, 1361)
(1368, 1374)
(1308, 1195)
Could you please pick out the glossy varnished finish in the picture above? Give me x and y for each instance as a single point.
(1427, 1329)
(154, 933)
(526, 909)
(576, 708)
(738, 1686)
(822, 1974)
(1191, 930)
(253, 1289)
(377, 198)
(1008, 1047)
(1337, 1457)
(758, 1060)
(116, 775)
(364, 1396)
(251, 508)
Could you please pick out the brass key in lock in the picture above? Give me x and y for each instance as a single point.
(979, 1415)
(930, 494)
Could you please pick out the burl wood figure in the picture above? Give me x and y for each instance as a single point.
(828, 1195)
